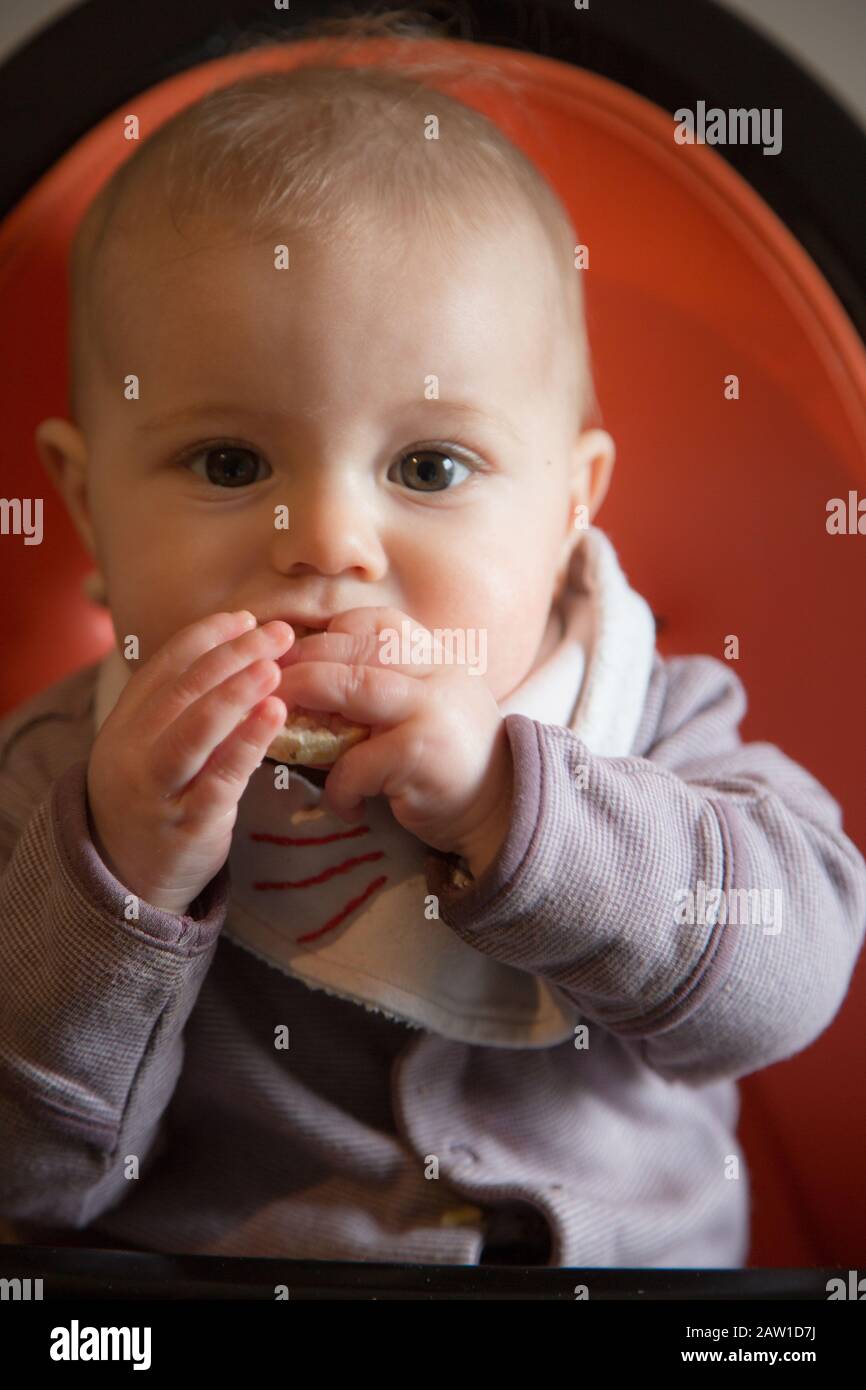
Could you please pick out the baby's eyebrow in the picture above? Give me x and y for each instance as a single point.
(464, 408)
(211, 408)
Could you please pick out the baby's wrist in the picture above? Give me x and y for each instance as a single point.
(175, 903)
(480, 861)
(480, 851)
(481, 846)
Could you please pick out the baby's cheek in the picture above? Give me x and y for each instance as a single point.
(509, 660)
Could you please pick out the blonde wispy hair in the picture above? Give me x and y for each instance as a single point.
(333, 149)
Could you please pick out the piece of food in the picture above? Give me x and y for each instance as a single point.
(311, 738)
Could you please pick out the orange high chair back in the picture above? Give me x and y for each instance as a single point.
(717, 507)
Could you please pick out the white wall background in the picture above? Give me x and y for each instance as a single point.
(828, 37)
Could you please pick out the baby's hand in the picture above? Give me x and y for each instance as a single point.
(174, 756)
(439, 749)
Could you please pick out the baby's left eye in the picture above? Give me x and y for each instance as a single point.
(228, 465)
(427, 466)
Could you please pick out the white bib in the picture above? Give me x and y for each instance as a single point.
(345, 907)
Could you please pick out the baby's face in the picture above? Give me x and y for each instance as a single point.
(411, 414)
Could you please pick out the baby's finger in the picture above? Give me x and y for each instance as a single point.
(222, 781)
(400, 641)
(178, 692)
(181, 650)
(372, 619)
(182, 750)
(364, 771)
(362, 694)
(367, 648)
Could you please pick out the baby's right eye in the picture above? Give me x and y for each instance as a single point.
(227, 465)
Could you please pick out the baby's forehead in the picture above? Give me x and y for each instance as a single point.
(508, 266)
(512, 258)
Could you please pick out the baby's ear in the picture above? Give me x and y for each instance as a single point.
(593, 461)
(60, 445)
(63, 452)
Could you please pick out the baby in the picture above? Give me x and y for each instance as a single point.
(451, 1000)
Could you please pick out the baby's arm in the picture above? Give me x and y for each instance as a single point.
(113, 892)
(92, 1005)
(601, 851)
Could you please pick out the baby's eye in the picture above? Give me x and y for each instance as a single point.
(227, 465)
(433, 469)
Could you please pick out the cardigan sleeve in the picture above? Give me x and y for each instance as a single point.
(699, 898)
(95, 989)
